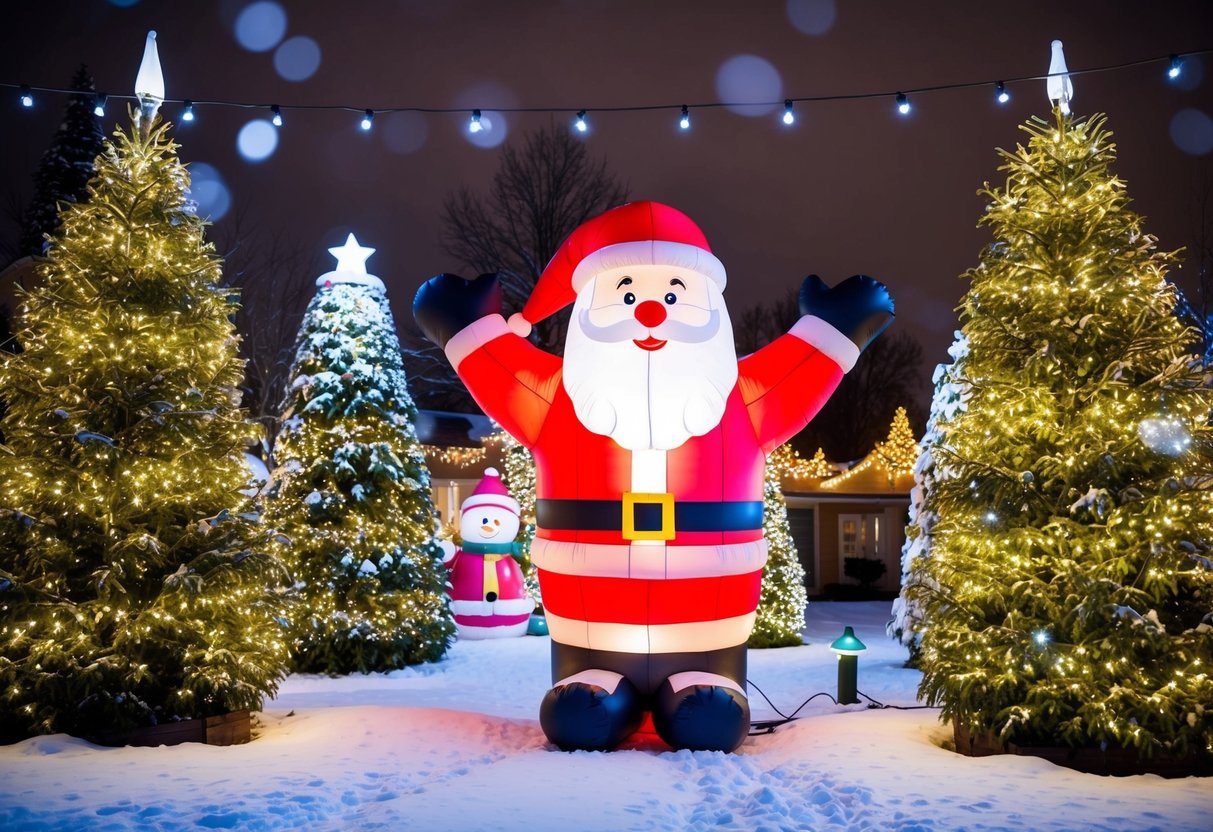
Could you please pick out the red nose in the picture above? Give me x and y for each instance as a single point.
(650, 313)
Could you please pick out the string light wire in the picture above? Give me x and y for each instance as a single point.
(1170, 59)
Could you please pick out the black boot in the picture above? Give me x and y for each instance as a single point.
(702, 712)
(593, 710)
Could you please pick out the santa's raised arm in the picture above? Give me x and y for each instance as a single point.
(649, 440)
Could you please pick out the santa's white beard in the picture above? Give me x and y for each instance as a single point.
(650, 399)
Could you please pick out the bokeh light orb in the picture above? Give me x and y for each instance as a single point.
(257, 140)
(812, 17)
(260, 26)
(123, 4)
(404, 132)
(1192, 131)
(297, 59)
(495, 124)
(209, 192)
(750, 84)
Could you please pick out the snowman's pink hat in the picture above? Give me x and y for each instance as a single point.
(491, 492)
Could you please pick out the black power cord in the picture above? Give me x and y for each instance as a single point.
(761, 727)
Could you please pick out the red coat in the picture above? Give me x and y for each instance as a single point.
(696, 590)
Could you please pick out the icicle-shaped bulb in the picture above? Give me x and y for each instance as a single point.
(1058, 85)
(149, 83)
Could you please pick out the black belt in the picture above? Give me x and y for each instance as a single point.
(652, 516)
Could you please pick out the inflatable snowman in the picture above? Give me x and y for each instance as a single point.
(488, 595)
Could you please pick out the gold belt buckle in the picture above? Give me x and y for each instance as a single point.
(633, 498)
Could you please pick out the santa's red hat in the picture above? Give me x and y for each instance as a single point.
(639, 233)
(491, 491)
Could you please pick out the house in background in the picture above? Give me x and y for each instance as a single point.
(834, 512)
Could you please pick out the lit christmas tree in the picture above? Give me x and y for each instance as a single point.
(67, 165)
(783, 600)
(898, 453)
(135, 587)
(520, 480)
(1070, 581)
(786, 463)
(907, 621)
(352, 492)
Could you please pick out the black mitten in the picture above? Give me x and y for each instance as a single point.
(859, 307)
(447, 303)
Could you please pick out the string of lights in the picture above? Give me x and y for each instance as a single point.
(1000, 88)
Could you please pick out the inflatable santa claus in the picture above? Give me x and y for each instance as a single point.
(488, 592)
(650, 439)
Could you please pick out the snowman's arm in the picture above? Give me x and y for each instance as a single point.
(786, 382)
(509, 377)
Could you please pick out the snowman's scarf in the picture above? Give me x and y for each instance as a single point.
(488, 548)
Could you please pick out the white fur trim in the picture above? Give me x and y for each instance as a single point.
(681, 681)
(502, 606)
(838, 347)
(649, 253)
(473, 336)
(519, 325)
(605, 679)
(478, 633)
(694, 636)
(502, 501)
(605, 560)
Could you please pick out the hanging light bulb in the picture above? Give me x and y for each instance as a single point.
(367, 119)
(581, 123)
(903, 104)
(99, 105)
(276, 115)
(26, 97)
(788, 116)
(187, 110)
(1176, 67)
(1000, 93)
(684, 121)
(474, 126)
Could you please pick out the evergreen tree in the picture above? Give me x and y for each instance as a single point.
(520, 480)
(134, 583)
(1070, 581)
(66, 167)
(907, 622)
(783, 600)
(352, 490)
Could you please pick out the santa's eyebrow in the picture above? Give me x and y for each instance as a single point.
(627, 281)
(676, 282)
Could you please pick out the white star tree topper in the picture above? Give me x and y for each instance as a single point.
(351, 265)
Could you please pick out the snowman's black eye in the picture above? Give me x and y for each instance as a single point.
(629, 298)
(671, 298)
(484, 520)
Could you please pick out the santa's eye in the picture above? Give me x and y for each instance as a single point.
(629, 298)
(671, 298)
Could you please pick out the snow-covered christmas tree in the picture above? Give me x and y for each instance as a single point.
(67, 165)
(135, 586)
(907, 621)
(351, 491)
(783, 600)
(1070, 580)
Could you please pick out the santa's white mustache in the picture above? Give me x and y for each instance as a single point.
(633, 330)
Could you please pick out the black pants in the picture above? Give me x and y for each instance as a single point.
(648, 670)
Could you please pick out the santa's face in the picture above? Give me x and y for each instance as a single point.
(649, 359)
(488, 524)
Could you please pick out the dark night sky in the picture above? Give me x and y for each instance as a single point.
(852, 187)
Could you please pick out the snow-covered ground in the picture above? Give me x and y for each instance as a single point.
(457, 746)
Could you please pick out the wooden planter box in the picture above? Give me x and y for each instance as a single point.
(1114, 760)
(231, 728)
